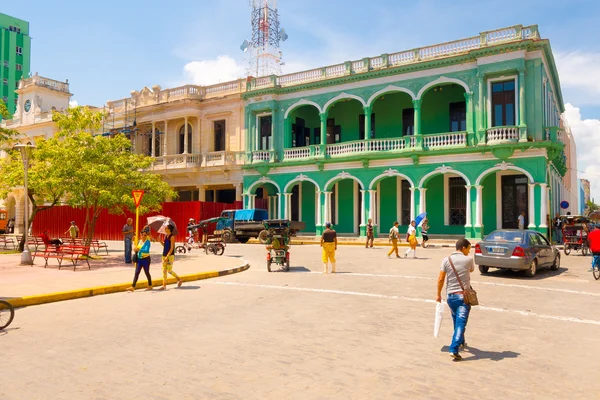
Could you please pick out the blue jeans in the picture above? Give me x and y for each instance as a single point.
(460, 317)
(128, 242)
(558, 235)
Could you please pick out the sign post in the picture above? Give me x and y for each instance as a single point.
(137, 199)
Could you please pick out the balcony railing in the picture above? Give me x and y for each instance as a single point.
(177, 161)
(259, 156)
(222, 158)
(502, 134)
(445, 140)
(301, 153)
(449, 49)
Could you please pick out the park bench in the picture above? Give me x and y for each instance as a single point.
(6, 240)
(69, 252)
(36, 242)
(94, 243)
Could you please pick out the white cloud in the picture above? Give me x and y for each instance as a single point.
(587, 140)
(73, 103)
(210, 72)
(580, 71)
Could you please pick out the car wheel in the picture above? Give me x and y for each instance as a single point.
(532, 269)
(484, 269)
(556, 265)
(227, 237)
(567, 250)
(180, 250)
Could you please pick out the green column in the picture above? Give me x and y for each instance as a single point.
(470, 129)
(417, 117)
(323, 117)
(367, 110)
(522, 123)
(287, 140)
(481, 125)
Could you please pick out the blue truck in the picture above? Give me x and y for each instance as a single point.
(242, 225)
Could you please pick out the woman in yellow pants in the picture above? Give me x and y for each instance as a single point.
(329, 245)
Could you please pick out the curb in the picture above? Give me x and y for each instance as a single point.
(307, 242)
(108, 289)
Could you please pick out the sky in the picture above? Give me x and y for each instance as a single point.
(107, 49)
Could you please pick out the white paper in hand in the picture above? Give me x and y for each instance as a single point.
(439, 315)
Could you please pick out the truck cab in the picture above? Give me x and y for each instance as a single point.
(241, 224)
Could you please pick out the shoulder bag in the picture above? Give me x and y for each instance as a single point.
(470, 294)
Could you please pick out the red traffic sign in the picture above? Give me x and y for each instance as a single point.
(137, 197)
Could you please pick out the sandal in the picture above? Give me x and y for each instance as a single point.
(130, 289)
(179, 283)
(148, 288)
(162, 288)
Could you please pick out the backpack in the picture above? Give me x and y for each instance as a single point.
(392, 234)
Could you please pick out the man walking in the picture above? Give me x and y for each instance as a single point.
(521, 220)
(370, 234)
(329, 245)
(557, 229)
(128, 238)
(73, 231)
(461, 273)
(394, 236)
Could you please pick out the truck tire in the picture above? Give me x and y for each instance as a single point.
(263, 237)
(243, 239)
(227, 236)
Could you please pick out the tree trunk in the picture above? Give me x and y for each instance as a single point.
(34, 211)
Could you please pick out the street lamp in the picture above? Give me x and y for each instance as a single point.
(25, 150)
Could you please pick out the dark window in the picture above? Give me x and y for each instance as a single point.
(265, 132)
(295, 203)
(361, 126)
(317, 133)
(188, 195)
(306, 136)
(298, 136)
(337, 130)
(458, 201)
(182, 139)
(408, 121)
(503, 103)
(458, 117)
(333, 205)
(219, 131)
(405, 217)
(226, 196)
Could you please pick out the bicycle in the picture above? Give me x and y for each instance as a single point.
(7, 313)
(596, 267)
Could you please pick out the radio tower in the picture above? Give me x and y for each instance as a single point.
(263, 47)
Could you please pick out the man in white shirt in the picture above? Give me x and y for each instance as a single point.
(521, 220)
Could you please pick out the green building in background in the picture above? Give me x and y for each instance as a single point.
(15, 57)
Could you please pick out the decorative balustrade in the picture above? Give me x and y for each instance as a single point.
(445, 140)
(262, 156)
(404, 57)
(296, 153)
(560, 135)
(220, 158)
(344, 149)
(177, 161)
(394, 144)
(502, 134)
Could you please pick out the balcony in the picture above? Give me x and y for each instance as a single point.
(207, 160)
(502, 134)
(176, 161)
(262, 156)
(222, 158)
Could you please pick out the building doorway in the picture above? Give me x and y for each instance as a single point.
(514, 200)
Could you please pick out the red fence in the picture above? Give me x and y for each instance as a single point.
(109, 227)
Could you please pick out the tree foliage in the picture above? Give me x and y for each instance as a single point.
(591, 206)
(6, 135)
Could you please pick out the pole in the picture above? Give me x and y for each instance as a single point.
(137, 219)
(26, 255)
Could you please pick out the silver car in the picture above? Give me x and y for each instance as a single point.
(516, 250)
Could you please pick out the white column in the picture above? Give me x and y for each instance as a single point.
(422, 201)
(372, 205)
(165, 135)
(288, 205)
(468, 208)
(478, 206)
(202, 193)
(252, 201)
(153, 145)
(185, 135)
(531, 205)
(244, 201)
(544, 205)
(412, 203)
(362, 209)
(319, 220)
(327, 214)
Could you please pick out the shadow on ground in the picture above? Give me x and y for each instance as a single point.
(473, 353)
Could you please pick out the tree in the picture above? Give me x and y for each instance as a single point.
(590, 206)
(45, 182)
(6, 135)
(100, 172)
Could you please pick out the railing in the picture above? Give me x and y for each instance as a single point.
(300, 153)
(220, 158)
(187, 91)
(389, 144)
(343, 149)
(445, 140)
(223, 88)
(503, 134)
(45, 82)
(560, 135)
(448, 49)
(262, 156)
(177, 161)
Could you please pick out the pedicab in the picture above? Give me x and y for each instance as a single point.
(211, 244)
(575, 230)
(276, 237)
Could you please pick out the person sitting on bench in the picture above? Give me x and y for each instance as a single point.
(47, 241)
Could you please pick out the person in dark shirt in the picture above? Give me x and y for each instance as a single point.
(370, 234)
(47, 241)
(329, 245)
(168, 258)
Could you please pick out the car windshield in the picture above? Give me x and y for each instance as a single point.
(505, 236)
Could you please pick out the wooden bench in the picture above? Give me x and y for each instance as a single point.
(35, 241)
(97, 245)
(73, 253)
(6, 240)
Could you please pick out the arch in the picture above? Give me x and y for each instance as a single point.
(339, 177)
(442, 79)
(390, 88)
(300, 178)
(387, 174)
(302, 102)
(262, 181)
(444, 170)
(503, 167)
(343, 96)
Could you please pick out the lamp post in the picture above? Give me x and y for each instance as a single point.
(25, 150)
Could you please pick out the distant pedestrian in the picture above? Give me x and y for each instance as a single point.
(557, 226)
(521, 220)
(329, 245)
(143, 259)
(464, 265)
(370, 234)
(424, 229)
(168, 258)
(393, 239)
(73, 231)
(11, 225)
(411, 236)
(128, 239)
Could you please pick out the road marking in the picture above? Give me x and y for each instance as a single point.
(414, 299)
(570, 291)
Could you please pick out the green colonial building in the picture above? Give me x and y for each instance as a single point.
(468, 131)
(15, 57)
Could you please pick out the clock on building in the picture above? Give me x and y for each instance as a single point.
(27, 106)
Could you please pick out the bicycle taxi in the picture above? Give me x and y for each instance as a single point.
(575, 231)
(200, 239)
(276, 237)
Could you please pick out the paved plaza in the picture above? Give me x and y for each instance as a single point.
(363, 333)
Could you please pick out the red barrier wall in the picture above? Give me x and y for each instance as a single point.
(109, 227)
